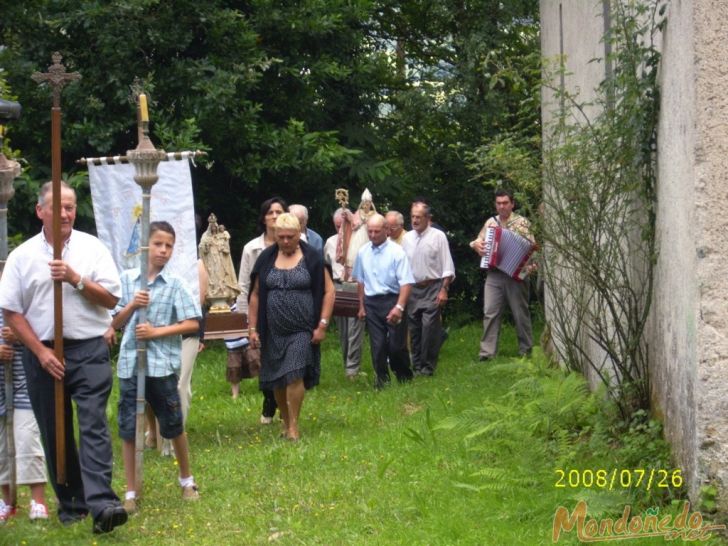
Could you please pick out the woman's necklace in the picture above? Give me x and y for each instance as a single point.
(289, 254)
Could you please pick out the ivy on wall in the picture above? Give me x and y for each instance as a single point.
(599, 211)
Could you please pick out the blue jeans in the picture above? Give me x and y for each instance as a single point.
(162, 395)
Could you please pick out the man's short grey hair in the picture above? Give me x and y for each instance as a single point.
(425, 207)
(338, 213)
(296, 209)
(47, 188)
(398, 216)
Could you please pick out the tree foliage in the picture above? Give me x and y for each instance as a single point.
(472, 77)
(406, 98)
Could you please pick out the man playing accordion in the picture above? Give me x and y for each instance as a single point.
(502, 287)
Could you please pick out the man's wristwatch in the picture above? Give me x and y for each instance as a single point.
(79, 285)
(324, 322)
(400, 307)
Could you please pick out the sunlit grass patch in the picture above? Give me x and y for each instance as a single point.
(466, 457)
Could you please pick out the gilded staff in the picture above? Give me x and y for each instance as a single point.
(145, 158)
(344, 236)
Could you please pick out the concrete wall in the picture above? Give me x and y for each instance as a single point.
(579, 19)
(710, 195)
(688, 330)
(673, 328)
(574, 27)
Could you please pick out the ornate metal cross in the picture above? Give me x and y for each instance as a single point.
(56, 78)
(342, 196)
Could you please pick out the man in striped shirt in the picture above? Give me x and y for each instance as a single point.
(29, 459)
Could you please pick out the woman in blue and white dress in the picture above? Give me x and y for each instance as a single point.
(291, 302)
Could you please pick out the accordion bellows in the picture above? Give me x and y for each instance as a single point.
(507, 251)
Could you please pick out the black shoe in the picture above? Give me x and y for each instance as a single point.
(484, 358)
(112, 516)
(527, 354)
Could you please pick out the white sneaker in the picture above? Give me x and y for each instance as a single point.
(167, 448)
(38, 511)
(6, 512)
(265, 420)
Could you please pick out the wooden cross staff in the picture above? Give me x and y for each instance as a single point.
(57, 78)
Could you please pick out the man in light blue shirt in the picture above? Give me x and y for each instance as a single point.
(383, 273)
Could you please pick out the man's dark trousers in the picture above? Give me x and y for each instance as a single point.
(425, 327)
(88, 380)
(388, 341)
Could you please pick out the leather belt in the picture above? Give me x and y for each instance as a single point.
(70, 342)
(428, 282)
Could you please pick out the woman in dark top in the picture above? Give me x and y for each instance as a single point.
(291, 301)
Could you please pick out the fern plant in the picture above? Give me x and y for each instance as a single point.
(542, 403)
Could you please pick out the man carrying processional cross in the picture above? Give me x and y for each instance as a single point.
(90, 288)
(64, 270)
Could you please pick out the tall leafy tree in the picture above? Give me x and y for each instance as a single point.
(268, 88)
(468, 112)
(292, 98)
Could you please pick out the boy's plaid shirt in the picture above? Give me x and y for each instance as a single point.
(170, 302)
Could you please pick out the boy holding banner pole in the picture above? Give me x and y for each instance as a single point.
(170, 311)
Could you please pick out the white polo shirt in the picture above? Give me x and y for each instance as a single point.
(251, 251)
(26, 286)
(429, 254)
(337, 269)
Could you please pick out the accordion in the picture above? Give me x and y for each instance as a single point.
(507, 251)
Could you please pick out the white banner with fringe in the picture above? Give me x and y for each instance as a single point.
(117, 202)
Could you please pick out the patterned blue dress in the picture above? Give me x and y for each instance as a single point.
(287, 354)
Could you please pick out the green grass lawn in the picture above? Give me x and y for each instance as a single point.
(467, 457)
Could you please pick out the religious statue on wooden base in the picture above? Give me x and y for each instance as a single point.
(359, 236)
(222, 286)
